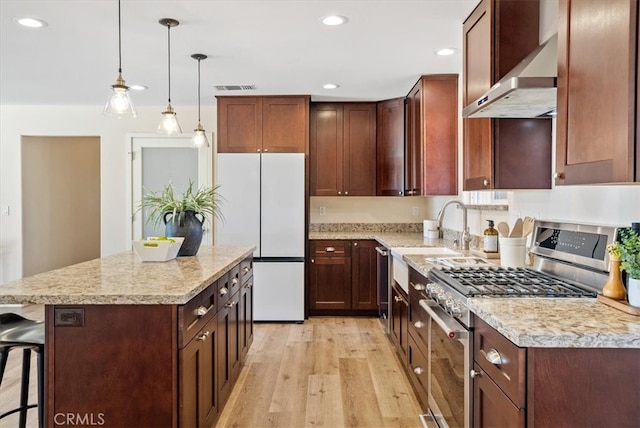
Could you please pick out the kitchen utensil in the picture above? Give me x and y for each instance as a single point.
(527, 226)
(503, 228)
(516, 231)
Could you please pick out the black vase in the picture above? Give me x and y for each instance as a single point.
(185, 224)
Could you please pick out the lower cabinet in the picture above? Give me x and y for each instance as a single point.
(229, 347)
(399, 320)
(198, 365)
(245, 321)
(342, 277)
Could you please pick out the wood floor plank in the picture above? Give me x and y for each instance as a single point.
(324, 402)
(359, 400)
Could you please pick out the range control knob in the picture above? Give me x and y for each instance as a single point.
(433, 290)
(441, 297)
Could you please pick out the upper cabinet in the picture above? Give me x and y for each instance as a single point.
(342, 149)
(277, 124)
(597, 92)
(390, 148)
(502, 153)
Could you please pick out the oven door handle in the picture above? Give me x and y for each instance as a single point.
(444, 320)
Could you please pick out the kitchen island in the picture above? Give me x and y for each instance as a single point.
(142, 344)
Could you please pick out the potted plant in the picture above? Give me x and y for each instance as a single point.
(180, 213)
(628, 250)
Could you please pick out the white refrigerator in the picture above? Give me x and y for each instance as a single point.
(264, 205)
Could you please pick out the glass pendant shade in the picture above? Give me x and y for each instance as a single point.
(169, 123)
(119, 104)
(200, 137)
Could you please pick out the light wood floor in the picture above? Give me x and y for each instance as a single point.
(326, 372)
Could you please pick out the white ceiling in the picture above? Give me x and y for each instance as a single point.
(279, 46)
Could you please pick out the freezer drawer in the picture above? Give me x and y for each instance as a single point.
(278, 292)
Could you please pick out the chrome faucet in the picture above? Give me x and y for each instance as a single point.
(466, 236)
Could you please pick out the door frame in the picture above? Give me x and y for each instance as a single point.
(135, 141)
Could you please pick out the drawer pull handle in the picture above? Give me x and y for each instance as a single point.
(474, 374)
(201, 311)
(418, 324)
(397, 298)
(246, 269)
(203, 336)
(223, 291)
(248, 285)
(330, 249)
(234, 281)
(417, 287)
(494, 357)
(418, 370)
(231, 304)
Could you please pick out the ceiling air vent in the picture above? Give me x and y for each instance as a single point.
(235, 87)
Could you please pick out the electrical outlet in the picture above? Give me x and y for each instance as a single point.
(322, 210)
(415, 211)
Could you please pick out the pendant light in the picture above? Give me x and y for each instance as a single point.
(169, 123)
(200, 137)
(119, 104)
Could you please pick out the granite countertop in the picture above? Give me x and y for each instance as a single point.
(123, 279)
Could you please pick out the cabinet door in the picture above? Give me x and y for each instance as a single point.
(246, 318)
(390, 148)
(596, 121)
(399, 321)
(198, 392)
(239, 124)
(359, 159)
(326, 149)
(229, 348)
(285, 124)
(440, 134)
(413, 149)
(364, 287)
(329, 275)
(491, 407)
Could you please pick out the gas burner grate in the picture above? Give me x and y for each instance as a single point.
(508, 282)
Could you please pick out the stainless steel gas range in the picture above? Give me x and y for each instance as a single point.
(569, 260)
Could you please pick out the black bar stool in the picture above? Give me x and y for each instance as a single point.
(20, 332)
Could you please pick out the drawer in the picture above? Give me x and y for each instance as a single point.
(234, 280)
(246, 269)
(501, 360)
(330, 248)
(418, 317)
(194, 314)
(224, 291)
(418, 371)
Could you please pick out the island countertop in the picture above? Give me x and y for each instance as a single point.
(123, 279)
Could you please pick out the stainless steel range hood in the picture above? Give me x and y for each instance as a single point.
(527, 91)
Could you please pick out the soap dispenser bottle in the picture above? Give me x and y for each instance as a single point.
(490, 239)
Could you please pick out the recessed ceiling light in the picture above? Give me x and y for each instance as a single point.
(31, 22)
(138, 87)
(334, 20)
(330, 86)
(445, 51)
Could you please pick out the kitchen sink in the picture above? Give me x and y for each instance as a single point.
(399, 268)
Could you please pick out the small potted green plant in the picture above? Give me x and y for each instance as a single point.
(180, 212)
(628, 250)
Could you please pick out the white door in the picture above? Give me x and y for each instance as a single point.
(156, 160)
(278, 291)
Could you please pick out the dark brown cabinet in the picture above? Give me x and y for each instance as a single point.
(399, 321)
(597, 122)
(431, 153)
(550, 386)
(342, 154)
(198, 361)
(390, 156)
(229, 357)
(273, 124)
(342, 277)
(245, 322)
(502, 153)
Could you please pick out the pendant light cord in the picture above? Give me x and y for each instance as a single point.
(119, 40)
(198, 90)
(169, 58)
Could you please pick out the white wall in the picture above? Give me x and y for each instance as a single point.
(16, 121)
